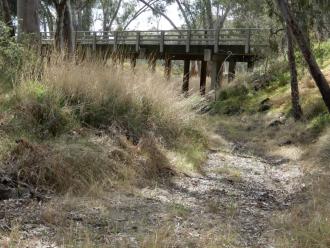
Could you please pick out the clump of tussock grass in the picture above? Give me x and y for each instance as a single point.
(41, 111)
(144, 112)
(98, 95)
(80, 164)
(73, 166)
(308, 224)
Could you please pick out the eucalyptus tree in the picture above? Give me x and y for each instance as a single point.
(82, 14)
(64, 39)
(47, 16)
(296, 108)
(302, 41)
(110, 10)
(159, 9)
(28, 18)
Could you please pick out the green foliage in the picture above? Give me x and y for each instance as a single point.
(230, 106)
(42, 111)
(236, 91)
(230, 100)
(319, 123)
(11, 56)
(313, 107)
(282, 79)
(322, 52)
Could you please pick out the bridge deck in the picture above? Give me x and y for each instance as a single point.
(249, 39)
(203, 45)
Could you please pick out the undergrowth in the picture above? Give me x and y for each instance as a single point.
(307, 224)
(88, 123)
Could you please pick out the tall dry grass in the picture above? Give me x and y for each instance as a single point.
(98, 95)
(81, 124)
(308, 224)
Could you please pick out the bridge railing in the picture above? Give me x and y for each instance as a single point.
(249, 38)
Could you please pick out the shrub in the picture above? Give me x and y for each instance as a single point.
(319, 123)
(235, 91)
(11, 57)
(41, 111)
(99, 96)
(313, 107)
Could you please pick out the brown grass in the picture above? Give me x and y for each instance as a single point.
(88, 124)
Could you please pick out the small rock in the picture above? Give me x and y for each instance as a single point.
(6, 193)
(285, 143)
(265, 105)
(276, 122)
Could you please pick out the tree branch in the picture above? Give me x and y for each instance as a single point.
(114, 15)
(159, 12)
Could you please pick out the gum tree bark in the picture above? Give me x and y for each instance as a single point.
(302, 42)
(64, 39)
(28, 18)
(296, 108)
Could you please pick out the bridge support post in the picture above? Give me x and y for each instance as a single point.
(203, 78)
(215, 71)
(186, 67)
(231, 70)
(168, 68)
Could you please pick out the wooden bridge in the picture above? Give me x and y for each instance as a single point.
(215, 47)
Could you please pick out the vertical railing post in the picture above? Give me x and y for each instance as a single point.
(216, 40)
(115, 37)
(161, 42)
(137, 43)
(248, 42)
(188, 41)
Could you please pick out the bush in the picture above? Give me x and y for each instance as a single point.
(319, 123)
(11, 56)
(41, 111)
(314, 107)
(101, 96)
(235, 91)
(322, 52)
(231, 106)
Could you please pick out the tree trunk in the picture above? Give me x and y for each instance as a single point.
(64, 39)
(160, 13)
(60, 8)
(296, 108)
(184, 14)
(28, 18)
(86, 18)
(68, 34)
(49, 17)
(208, 12)
(222, 19)
(302, 41)
(114, 15)
(7, 17)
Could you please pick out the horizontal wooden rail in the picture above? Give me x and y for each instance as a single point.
(251, 37)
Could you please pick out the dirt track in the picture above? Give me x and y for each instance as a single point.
(229, 204)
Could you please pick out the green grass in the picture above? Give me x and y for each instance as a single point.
(179, 210)
(319, 123)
